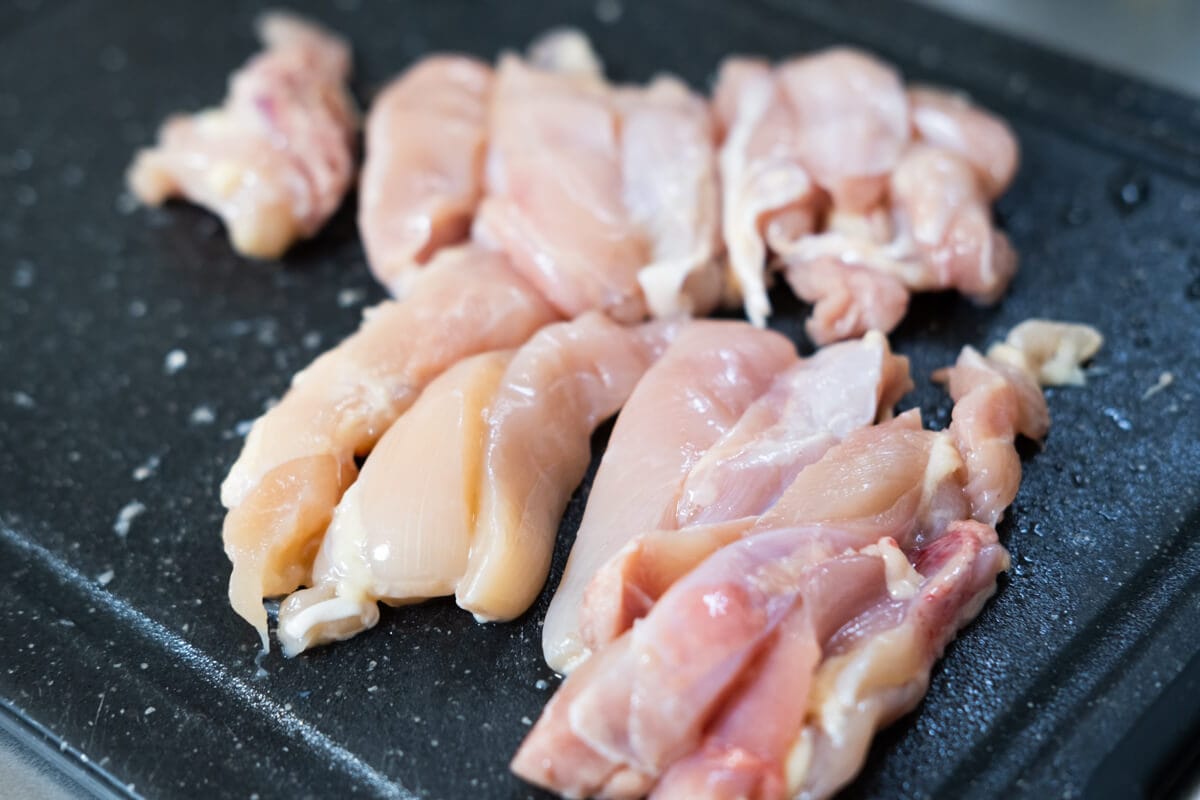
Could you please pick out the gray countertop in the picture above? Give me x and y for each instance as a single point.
(1156, 40)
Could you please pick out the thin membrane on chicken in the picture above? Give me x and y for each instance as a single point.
(708, 376)
(276, 158)
(298, 458)
(422, 177)
(605, 198)
(808, 409)
(779, 647)
(464, 493)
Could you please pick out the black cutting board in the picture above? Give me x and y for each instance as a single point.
(120, 652)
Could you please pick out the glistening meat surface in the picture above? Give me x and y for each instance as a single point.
(298, 458)
(423, 173)
(780, 645)
(464, 493)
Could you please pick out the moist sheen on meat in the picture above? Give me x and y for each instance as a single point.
(807, 409)
(298, 458)
(860, 190)
(464, 493)
(697, 391)
(779, 644)
(604, 197)
(423, 172)
(275, 160)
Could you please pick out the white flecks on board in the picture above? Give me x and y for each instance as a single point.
(125, 517)
(175, 361)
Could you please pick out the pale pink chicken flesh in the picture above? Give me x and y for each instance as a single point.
(808, 409)
(554, 194)
(422, 177)
(298, 458)
(853, 123)
(605, 197)
(948, 120)
(669, 168)
(993, 403)
(780, 644)
(275, 160)
(863, 191)
(706, 379)
(765, 187)
(464, 493)
(847, 300)
(558, 389)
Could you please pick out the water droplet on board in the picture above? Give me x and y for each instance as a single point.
(1128, 191)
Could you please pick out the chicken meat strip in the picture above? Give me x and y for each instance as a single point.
(605, 198)
(809, 408)
(820, 129)
(669, 168)
(950, 121)
(276, 158)
(937, 235)
(779, 646)
(708, 376)
(422, 177)
(464, 493)
(298, 458)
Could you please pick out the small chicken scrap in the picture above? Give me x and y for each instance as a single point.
(275, 160)
(754, 651)
(863, 191)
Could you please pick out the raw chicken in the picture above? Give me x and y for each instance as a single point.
(875, 668)
(847, 300)
(883, 478)
(807, 410)
(715, 707)
(709, 375)
(668, 161)
(878, 667)
(604, 198)
(464, 493)
(864, 191)
(939, 235)
(993, 402)
(554, 198)
(423, 173)
(299, 457)
(853, 124)
(940, 203)
(276, 158)
(833, 124)
(781, 644)
(560, 386)
(766, 191)
(951, 122)
(1051, 351)
(402, 532)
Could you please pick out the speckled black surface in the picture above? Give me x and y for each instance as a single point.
(123, 649)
